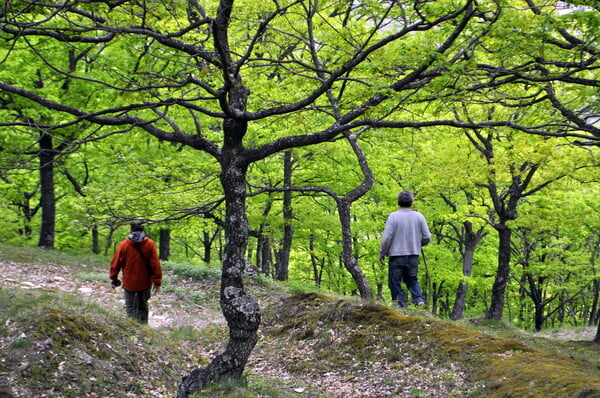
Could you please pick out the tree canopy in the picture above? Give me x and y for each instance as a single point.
(225, 87)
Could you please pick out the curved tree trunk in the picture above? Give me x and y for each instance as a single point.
(348, 256)
(241, 310)
(343, 206)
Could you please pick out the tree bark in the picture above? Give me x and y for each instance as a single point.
(316, 266)
(283, 255)
(206, 244)
(348, 256)
(240, 309)
(266, 259)
(48, 198)
(165, 244)
(502, 273)
(470, 239)
(95, 240)
(459, 302)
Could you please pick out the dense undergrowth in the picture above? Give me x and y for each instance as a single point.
(63, 334)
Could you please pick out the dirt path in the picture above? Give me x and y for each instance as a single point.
(166, 309)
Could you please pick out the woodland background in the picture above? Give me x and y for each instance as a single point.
(278, 138)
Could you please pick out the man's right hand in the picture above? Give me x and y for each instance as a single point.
(115, 283)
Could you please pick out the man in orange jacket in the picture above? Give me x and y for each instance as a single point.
(138, 258)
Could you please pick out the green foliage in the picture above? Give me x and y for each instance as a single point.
(127, 174)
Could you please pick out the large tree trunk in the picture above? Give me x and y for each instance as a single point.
(241, 310)
(48, 199)
(502, 274)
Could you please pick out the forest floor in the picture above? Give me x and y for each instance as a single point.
(310, 345)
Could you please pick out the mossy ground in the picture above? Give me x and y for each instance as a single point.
(344, 332)
(56, 341)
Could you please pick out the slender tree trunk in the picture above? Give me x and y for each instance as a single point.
(283, 255)
(314, 261)
(95, 240)
(206, 244)
(502, 274)
(349, 259)
(463, 286)
(266, 258)
(343, 207)
(459, 302)
(28, 213)
(165, 244)
(594, 312)
(48, 199)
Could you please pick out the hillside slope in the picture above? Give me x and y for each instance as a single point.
(63, 334)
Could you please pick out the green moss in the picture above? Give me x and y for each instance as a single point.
(539, 375)
(344, 331)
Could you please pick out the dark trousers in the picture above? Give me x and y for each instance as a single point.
(404, 269)
(136, 305)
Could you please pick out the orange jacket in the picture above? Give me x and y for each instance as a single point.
(135, 271)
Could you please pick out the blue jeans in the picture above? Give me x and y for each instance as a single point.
(404, 269)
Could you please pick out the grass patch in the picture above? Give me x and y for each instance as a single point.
(93, 276)
(194, 271)
(73, 348)
(35, 255)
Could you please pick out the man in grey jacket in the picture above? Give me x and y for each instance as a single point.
(405, 232)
